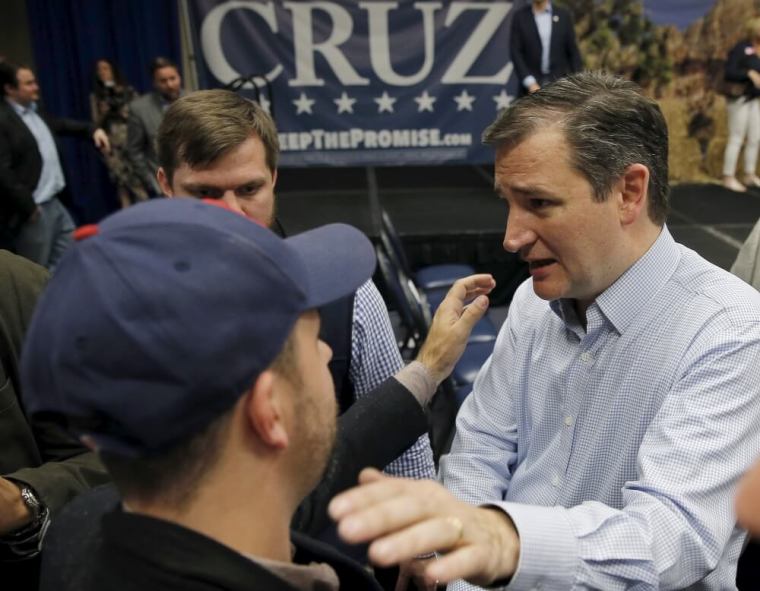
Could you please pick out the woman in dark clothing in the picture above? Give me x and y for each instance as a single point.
(743, 67)
(109, 104)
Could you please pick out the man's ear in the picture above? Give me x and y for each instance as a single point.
(634, 191)
(265, 408)
(274, 178)
(163, 182)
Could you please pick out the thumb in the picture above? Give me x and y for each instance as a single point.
(370, 475)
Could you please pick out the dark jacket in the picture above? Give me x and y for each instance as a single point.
(21, 163)
(140, 552)
(525, 45)
(56, 466)
(741, 59)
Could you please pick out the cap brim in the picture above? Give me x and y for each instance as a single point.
(338, 259)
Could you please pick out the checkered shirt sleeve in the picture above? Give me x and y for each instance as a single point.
(374, 358)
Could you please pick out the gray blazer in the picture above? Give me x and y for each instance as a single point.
(145, 114)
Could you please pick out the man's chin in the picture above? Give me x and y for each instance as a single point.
(547, 292)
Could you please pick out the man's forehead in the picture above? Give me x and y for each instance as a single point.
(544, 149)
(166, 72)
(24, 74)
(534, 166)
(220, 177)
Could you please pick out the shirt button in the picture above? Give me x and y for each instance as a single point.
(555, 481)
(586, 357)
(569, 421)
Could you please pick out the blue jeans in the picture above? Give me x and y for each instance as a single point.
(45, 239)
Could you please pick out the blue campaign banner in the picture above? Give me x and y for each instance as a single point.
(364, 82)
(680, 13)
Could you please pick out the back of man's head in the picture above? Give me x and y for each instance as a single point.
(202, 126)
(174, 308)
(608, 123)
(8, 75)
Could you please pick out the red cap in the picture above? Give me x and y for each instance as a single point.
(86, 231)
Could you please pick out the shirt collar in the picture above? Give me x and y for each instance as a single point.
(311, 577)
(20, 109)
(622, 301)
(547, 10)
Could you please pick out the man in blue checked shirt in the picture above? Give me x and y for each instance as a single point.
(605, 437)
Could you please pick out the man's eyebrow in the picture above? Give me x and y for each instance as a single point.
(531, 191)
(198, 186)
(523, 191)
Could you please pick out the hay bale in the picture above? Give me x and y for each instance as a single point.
(685, 159)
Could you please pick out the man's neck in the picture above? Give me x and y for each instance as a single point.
(18, 104)
(540, 5)
(166, 99)
(256, 524)
(643, 240)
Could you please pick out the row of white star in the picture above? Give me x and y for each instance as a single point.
(385, 102)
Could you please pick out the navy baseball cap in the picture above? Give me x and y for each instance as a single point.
(156, 323)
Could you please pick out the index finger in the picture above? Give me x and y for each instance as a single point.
(365, 495)
(471, 286)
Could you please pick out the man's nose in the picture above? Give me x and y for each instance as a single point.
(518, 233)
(230, 200)
(326, 350)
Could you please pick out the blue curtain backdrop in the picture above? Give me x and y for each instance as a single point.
(67, 38)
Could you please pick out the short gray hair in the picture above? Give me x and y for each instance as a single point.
(608, 124)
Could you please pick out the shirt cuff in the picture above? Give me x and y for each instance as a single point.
(416, 378)
(529, 81)
(548, 548)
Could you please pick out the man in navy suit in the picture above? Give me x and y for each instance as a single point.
(543, 45)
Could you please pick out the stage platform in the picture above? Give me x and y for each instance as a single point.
(451, 213)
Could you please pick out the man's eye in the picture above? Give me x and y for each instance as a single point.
(539, 203)
(248, 190)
